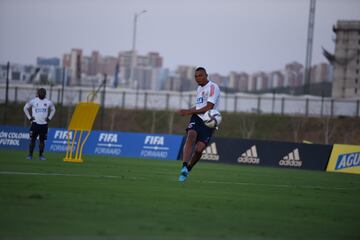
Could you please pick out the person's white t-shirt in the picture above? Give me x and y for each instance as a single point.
(208, 93)
(40, 110)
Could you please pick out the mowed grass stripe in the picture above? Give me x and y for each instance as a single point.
(143, 200)
(204, 182)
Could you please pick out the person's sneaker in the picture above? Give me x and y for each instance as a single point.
(42, 158)
(184, 173)
(29, 157)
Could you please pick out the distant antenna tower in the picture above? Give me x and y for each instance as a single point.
(309, 44)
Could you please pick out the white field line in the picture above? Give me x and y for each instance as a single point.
(206, 182)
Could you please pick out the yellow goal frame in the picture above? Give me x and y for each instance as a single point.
(81, 122)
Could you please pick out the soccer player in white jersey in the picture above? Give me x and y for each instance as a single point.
(198, 134)
(39, 121)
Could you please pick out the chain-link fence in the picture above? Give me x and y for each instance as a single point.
(165, 100)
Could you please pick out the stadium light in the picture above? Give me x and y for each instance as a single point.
(132, 81)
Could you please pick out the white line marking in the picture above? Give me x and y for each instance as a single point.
(206, 182)
(64, 175)
(280, 185)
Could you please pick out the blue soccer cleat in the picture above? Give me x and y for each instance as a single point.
(29, 157)
(184, 173)
(42, 158)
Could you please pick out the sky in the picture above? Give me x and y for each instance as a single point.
(220, 35)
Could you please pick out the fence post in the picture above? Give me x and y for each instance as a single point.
(103, 103)
(50, 92)
(136, 98)
(332, 108)
(189, 103)
(180, 99)
(235, 103)
(282, 105)
(145, 100)
(357, 107)
(258, 105)
(322, 106)
(167, 101)
(123, 100)
(6, 92)
(226, 101)
(16, 94)
(58, 96)
(80, 95)
(273, 103)
(306, 107)
(61, 97)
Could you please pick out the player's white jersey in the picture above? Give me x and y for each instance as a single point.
(40, 110)
(208, 93)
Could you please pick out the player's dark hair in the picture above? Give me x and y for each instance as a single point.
(41, 92)
(201, 69)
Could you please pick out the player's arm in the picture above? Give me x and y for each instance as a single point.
(52, 112)
(184, 112)
(26, 111)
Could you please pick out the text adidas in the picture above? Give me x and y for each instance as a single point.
(250, 156)
(292, 159)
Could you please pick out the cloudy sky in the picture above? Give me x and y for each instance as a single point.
(221, 35)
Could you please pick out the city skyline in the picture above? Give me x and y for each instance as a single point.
(214, 34)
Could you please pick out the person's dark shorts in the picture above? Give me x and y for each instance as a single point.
(40, 130)
(204, 133)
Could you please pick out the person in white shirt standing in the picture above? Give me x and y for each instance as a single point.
(39, 118)
(198, 134)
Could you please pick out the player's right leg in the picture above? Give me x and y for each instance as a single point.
(203, 138)
(33, 135)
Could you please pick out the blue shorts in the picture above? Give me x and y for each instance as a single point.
(204, 133)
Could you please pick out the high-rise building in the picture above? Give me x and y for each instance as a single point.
(109, 65)
(259, 82)
(220, 80)
(95, 60)
(277, 79)
(48, 61)
(73, 61)
(346, 60)
(186, 77)
(146, 69)
(239, 81)
(321, 72)
(124, 66)
(294, 74)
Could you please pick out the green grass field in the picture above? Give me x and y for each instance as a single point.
(118, 198)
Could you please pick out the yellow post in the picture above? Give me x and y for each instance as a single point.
(82, 121)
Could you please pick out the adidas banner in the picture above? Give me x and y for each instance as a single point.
(268, 153)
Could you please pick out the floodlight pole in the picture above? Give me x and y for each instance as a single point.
(307, 73)
(132, 82)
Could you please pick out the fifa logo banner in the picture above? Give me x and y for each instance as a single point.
(345, 159)
(123, 144)
(57, 140)
(12, 137)
(117, 144)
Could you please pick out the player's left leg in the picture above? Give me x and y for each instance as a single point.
(41, 149)
(199, 148)
(42, 138)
